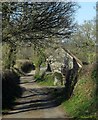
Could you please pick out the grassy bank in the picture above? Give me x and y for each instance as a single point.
(83, 102)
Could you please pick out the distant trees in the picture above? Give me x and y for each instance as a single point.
(83, 40)
(38, 58)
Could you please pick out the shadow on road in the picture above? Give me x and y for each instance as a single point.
(35, 97)
(27, 82)
(38, 98)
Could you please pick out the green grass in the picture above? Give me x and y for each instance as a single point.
(47, 80)
(83, 102)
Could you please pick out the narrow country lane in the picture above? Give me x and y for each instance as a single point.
(35, 102)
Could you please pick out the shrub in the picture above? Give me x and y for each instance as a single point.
(10, 88)
(27, 67)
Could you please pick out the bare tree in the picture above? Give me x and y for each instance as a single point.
(37, 23)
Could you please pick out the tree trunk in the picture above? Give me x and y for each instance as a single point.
(11, 59)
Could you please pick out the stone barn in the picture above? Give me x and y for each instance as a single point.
(62, 61)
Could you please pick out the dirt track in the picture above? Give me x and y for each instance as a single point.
(36, 102)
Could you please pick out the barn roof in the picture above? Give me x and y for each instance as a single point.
(67, 51)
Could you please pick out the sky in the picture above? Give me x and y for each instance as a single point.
(86, 12)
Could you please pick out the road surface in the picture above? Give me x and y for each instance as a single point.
(35, 102)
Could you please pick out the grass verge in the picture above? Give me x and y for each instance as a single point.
(83, 102)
